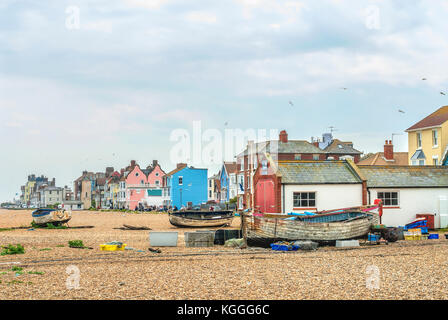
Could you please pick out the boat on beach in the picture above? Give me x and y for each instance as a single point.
(339, 224)
(54, 216)
(199, 219)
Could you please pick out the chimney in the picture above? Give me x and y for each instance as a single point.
(388, 150)
(316, 144)
(154, 163)
(283, 136)
(180, 165)
(121, 171)
(132, 163)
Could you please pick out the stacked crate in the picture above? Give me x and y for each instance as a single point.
(413, 234)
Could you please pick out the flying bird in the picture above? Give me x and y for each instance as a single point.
(401, 111)
(344, 88)
(226, 123)
(424, 79)
(292, 104)
(442, 93)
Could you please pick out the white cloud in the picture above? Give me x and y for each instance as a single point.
(201, 17)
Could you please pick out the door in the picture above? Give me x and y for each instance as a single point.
(265, 196)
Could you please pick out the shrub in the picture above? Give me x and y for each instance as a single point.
(11, 249)
(76, 244)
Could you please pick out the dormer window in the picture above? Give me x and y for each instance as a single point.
(136, 174)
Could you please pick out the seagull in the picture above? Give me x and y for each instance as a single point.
(225, 123)
(424, 79)
(401, 111)
(344, 88)
(442, 93)
(292, 104)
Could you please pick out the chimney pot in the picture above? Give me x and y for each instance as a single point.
(389, 150)
(283, 136)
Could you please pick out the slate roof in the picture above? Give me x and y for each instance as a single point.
(292, 146)
(317, 172)
(339, 147)
(231, 167)
(434, 119)
(405, 176)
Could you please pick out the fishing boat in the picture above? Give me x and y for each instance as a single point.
(340, 224)
(54, 216)
(199, 219)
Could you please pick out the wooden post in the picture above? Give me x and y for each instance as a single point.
(243, 228)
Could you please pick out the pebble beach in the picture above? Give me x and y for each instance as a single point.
(401, 270)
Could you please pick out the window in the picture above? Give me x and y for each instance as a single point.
(180, 180)
(421, 162)
(242, 164)
(304, 199)
(297, 157)
(389, 198)
(419, 140)
(435, 138)
(157, 182)
(435, 161)
(210, 183)
(315, 157)
(210, 193)
(157, 174)
(136, 174)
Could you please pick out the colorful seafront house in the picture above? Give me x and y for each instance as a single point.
(428, 139)
(187, 186)
(145, 187)
(315, 185)
(228, 181)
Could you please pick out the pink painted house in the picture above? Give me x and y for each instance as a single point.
(144, 186)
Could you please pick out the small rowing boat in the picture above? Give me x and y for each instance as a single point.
(54, 216)
(199, 219)
(332, 225)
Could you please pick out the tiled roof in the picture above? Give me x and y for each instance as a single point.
(231, 167)
(400, 159)
(317, 172)
(184, 165)
(405, 176)
(337, 146)
(434, 119)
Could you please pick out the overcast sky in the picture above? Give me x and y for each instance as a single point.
(114, 87)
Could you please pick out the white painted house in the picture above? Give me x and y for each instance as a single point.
(407, 191)
(299, 186)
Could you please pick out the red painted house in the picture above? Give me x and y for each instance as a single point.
(299, 186)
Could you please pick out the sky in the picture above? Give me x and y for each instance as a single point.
(89, 84)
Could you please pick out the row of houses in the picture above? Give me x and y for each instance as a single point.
(39, 191)
(136, 187)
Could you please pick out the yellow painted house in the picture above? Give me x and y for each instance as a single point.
(428, 139)
(29, 186)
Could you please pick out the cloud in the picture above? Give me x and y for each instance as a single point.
(201, 17)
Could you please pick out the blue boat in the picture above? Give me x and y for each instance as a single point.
(47, 215)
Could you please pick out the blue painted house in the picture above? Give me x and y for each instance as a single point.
(228, 184)
(187, 186)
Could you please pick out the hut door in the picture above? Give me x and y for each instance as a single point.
(265, 196)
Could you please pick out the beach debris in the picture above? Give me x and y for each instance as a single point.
(235, 243)
(306, 245)
(128, 227)
(113, 246)
(155, 250)
(284, 246)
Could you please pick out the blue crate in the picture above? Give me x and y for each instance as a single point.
(284, 247)
(433, 236)
(373, 237)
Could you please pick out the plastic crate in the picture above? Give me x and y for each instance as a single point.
(373, 237)
(112, 247)
(433, 236)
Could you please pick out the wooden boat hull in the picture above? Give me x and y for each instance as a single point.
(196, 220)
(43, 216)
(261, 229)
